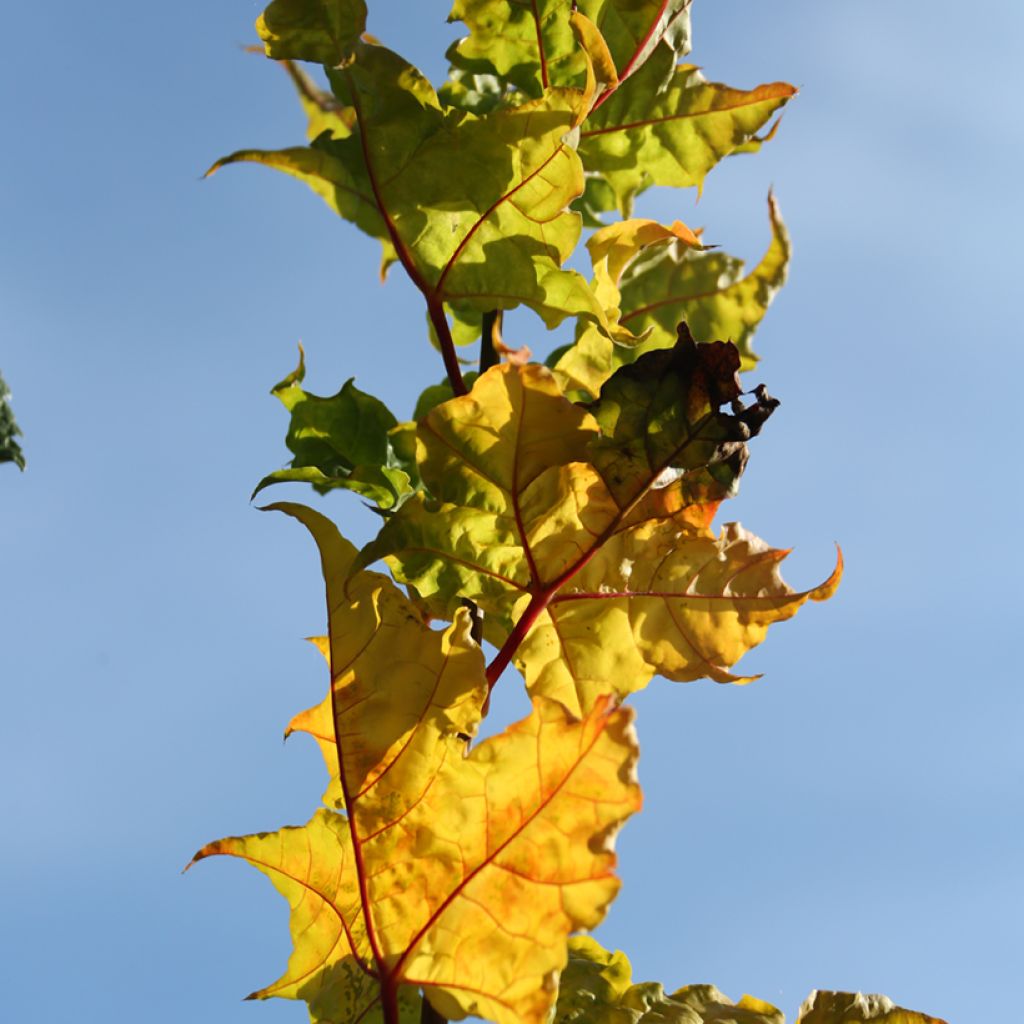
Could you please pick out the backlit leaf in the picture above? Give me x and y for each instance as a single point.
(706, 289)
(320, 31)
(642, 137)
(593, 546)
(856, 1008)
(461, 875)
(660, 599)
(341, 441)
(531, 44)
(585, 365)
(596, 988)
(666, 284)
(491, 237)
(10, 450)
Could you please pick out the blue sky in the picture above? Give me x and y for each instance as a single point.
(853, 820)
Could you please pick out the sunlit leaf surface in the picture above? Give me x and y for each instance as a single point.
(531, 45)
(583, 535)
(461, 874)
(642, 137)
(657, 286)
(857, 1008)
(596, 987)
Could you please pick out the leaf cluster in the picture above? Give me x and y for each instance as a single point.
(561, 512)
(10, 450)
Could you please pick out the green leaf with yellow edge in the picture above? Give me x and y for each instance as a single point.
(460, 875)
(642, 137)
(596, 987)
(706, 289)
(663, 285)
(584, 366)
(10, 450)
(492, 237)
(532, 46)
(574, 542)
(857, 1008)
(343, 441)
(319, 31)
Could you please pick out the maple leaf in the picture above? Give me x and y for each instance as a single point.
(857, 1008)
(664, 281)
(461, 875)
(347, 441)
(646, 134)
(319, 31)
(707, 289)
(492, 237)
(531, 45)
(596, 987)
(588, 548)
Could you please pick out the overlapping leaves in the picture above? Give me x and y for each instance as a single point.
(531, 45)
(660, 278)
(597, 988)
(494, 235)
(584, 535)
(461, 875)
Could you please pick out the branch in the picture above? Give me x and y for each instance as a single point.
(435, 309)
(490, 338)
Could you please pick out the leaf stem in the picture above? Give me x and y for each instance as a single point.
(435, 310)
(537, 604)
(389, 1001)
(631, 64)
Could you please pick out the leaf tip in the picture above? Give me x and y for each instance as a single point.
(825, 590)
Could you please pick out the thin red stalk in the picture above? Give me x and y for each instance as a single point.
(631, 64)
(435, 307)
(537, 604)
(540, 46)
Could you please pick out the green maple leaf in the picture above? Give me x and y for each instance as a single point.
(493, 236)
(531, 45)
(648, 133)
(348, 440)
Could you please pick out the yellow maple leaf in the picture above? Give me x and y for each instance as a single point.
(578, 529)
(461, 875)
